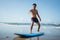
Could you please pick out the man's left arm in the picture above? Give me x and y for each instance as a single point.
(38, 16)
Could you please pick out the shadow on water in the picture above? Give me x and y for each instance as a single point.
(33, 38)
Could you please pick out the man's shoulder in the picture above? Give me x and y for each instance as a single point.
(32, 10)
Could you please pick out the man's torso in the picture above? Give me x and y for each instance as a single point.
(33, 13)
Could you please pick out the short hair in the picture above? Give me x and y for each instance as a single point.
(35, 4)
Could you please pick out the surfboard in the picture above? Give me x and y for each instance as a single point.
(27, 35)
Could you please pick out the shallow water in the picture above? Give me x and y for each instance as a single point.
(7, 32)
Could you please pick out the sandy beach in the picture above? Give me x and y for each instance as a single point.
(7, 32)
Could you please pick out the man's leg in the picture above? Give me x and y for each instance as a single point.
(38, 26)
(31, 26)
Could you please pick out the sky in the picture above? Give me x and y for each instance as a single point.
(18, 10)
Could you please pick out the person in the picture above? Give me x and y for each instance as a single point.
(34, 13)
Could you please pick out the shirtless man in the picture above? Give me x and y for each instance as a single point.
(34, 13)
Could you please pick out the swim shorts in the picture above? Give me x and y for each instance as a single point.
(34, 19)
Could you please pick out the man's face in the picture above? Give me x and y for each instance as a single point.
(34, 7)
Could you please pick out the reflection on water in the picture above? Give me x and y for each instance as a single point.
(34, 38)
(7, 32)
(37, 38)
(17, 38)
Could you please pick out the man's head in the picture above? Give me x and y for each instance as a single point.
(34, 5)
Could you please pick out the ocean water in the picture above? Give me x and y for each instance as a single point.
(7, 32)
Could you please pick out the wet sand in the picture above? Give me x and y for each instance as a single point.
(7, 32)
